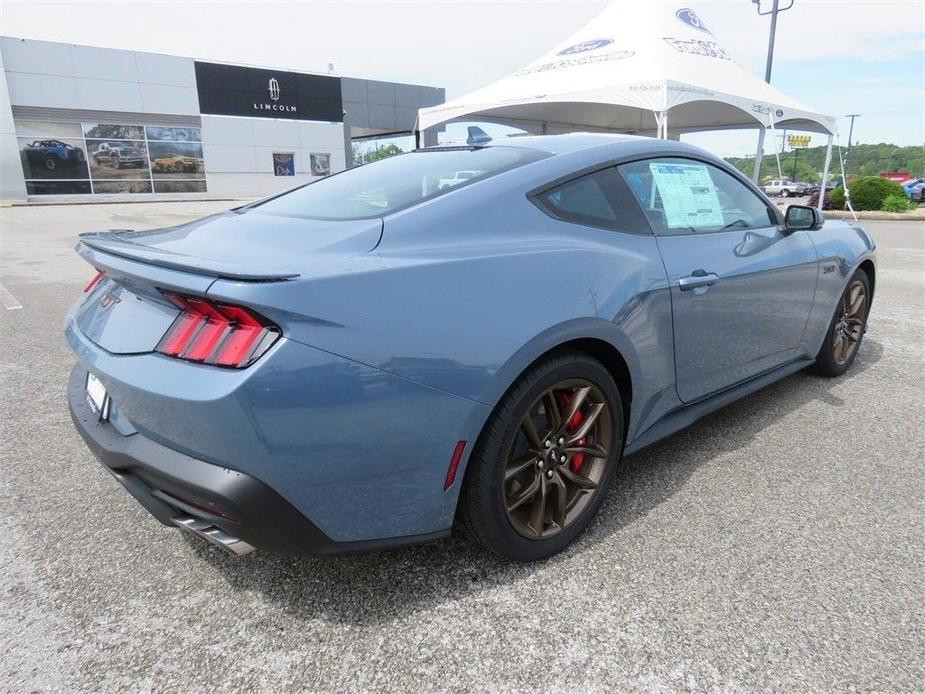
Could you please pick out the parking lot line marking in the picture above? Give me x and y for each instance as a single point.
(8, 300)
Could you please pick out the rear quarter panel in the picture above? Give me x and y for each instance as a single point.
(464, 293)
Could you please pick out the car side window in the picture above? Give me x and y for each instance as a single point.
(687, 196)
(598, 199)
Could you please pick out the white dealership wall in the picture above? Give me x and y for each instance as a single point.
(11, 178)
(69, 83)
(235, 148)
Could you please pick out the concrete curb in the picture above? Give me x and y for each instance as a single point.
(911, 216)
(64, 203)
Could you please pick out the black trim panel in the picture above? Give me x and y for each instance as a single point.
(685, 415)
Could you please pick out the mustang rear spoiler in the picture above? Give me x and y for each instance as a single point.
(115, 243)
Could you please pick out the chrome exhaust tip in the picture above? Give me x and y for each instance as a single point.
(213, 534)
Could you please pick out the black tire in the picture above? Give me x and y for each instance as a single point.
(827, 362)
(482, 511)
(51, 163)
(785, 193)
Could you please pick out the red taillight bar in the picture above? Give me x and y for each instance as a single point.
(217, 334)
(94, 281)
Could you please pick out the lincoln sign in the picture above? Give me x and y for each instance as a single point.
(230, 90)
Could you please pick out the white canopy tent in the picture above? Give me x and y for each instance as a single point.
(645, 68)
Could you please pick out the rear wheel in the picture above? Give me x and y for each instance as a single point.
(785, 193)
(548, 454)
(847, 328)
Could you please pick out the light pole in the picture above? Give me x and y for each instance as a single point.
(774, 11)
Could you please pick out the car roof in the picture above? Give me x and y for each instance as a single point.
(574, 143)
(551, 144)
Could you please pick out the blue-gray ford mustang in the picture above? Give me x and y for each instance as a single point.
(469, 336)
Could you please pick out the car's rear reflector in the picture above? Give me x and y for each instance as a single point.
(454, 463)
(217, 334)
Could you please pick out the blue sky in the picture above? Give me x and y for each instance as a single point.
(838, 57)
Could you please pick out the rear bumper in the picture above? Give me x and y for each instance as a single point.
(175, 487)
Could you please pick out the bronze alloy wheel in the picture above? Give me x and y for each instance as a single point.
(557, 459)
(849, 326)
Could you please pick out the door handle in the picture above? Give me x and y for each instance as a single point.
(698, 278)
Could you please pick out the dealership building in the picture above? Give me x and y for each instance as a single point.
(84, 121)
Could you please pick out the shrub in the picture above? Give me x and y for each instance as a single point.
(837, 198)
(869, 192)
(896, 203)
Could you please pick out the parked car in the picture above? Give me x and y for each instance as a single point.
(915, 189)
(119, 155)
(51, 155)
(785, 188)
(358, 362)
(175, 164)
(456, 178)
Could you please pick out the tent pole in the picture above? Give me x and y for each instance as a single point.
(780, 172)
(661, 124)
(825, 173)
(417, 139)
(756, 174)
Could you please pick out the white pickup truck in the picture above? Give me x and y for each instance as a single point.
(785, 188)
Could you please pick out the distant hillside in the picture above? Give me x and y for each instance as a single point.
(866, 160)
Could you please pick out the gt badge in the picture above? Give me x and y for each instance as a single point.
(108, 300)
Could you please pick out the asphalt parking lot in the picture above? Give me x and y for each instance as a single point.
(776, 545)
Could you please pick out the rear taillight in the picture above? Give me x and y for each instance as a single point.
(218, 334)
(93, 281)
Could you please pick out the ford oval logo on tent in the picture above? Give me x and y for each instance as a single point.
(586, 46)
(689, 17)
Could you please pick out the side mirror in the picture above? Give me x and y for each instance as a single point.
(802, 218)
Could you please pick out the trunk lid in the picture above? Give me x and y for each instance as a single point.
(126, 313)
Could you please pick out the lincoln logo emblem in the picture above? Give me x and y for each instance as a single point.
(273, 104)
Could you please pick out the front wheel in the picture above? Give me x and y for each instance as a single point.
(847, 328)
(542, 466)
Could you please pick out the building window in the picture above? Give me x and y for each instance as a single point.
(84, 158)
(283, 164)
(320, 163)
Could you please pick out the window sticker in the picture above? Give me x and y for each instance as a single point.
(688, 195)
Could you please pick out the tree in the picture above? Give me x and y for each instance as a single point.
(866, 160)
(362, 155)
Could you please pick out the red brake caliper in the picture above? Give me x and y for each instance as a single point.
(579, 458)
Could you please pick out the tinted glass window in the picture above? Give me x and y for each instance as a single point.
(599, 199)
(685, 196)
(384, 186)
(582, 200)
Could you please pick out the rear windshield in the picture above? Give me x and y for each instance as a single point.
(388, 185)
